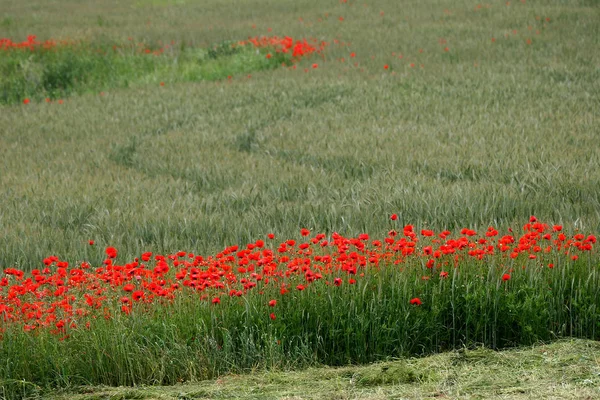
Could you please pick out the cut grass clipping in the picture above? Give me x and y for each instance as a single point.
(34, 71)
(568, 369)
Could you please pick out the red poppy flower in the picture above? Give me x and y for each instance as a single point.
(337, 281)
(137, 295)
(26, 101)
(129, 287)
(272, 316)
(91, 242)
(505, 277)
(394, 217)
(216, 300)
(272, 303)
(416, 301)
(304, 232)
(111, 252)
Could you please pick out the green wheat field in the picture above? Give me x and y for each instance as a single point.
(299, 199)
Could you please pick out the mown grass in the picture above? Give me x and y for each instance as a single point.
(564, 369)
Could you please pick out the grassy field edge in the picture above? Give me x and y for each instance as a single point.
(566, 369)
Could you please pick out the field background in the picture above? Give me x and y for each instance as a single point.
(486, 133)
(462, 131)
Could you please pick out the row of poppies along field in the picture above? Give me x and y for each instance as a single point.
(50, 70)
(61, 296)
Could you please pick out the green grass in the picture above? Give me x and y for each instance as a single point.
(485, 133)
(189, 339)
(565, 369)
(77, 68)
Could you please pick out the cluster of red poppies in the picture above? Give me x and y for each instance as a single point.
(287, 45)
(31, 44)
(59, 296)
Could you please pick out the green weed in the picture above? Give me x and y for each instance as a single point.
(77, 68)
